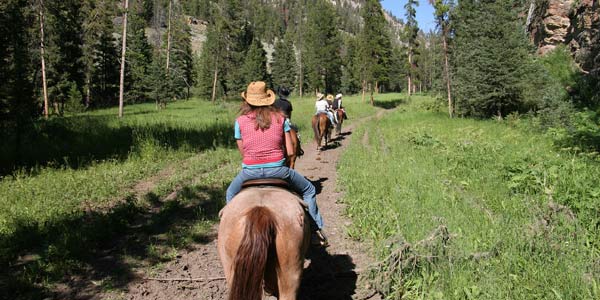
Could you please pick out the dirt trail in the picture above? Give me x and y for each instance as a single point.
(331, 273)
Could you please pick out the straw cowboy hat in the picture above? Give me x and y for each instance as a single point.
(320, 96)
(330, 97)
(257, 94)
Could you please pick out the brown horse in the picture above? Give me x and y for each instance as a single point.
(339, 113)
(320, 125)
(291, 159)
(263, 237)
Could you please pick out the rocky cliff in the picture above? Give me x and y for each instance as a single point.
(574, 23)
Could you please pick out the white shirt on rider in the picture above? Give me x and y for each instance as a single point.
(322, 105)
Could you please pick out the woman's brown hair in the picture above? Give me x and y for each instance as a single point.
(263, 114)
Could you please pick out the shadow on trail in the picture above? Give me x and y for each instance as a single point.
(390, 104)
(328, 276)
(99, 249)
(319, 184)
(333, 144)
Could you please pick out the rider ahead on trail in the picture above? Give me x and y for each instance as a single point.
(283, 103)
(337, 104)
(323, 106)
(262, 134)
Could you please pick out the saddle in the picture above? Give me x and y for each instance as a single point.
(276, 182)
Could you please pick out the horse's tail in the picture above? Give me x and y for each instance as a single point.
(315, 126)
(251, 258)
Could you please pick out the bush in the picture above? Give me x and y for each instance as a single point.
(582, 132)
(73, 103)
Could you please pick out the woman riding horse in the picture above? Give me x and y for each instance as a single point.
(263, 232)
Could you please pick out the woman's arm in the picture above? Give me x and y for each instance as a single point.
(240, 147)
(289, 147)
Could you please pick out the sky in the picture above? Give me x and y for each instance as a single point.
(424, 12)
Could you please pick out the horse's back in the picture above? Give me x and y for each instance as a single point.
(291, 236)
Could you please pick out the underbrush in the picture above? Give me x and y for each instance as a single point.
(467, 209)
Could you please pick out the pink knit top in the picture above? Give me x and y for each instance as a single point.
(261, 146)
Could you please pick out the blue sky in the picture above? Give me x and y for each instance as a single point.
(424, 12)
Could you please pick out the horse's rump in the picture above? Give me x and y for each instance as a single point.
(263, 236)
(320, 125)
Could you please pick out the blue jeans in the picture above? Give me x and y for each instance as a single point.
(300, 184)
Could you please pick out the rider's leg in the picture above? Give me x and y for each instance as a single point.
(309, 195)
(330, 116)
(236, 185)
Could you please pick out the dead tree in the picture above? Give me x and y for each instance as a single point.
(123, 51)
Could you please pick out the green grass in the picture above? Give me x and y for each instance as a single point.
(522, 217)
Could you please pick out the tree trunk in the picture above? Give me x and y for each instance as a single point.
(123, 51)
(87, 92)
(42, 54)
(409, 71)
(169, 38)
(372, 101)
(447, 73)
(214, 85)
(301, 75)
(364, 86)
(376, 88)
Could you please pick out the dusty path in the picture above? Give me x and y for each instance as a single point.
(331, 273)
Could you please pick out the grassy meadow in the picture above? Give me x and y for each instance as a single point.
(78, 187)
(472, 209)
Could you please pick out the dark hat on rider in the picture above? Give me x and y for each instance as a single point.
(257, 94)
(283, 91)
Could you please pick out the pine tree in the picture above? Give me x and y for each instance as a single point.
(210, 80)
(238, 36)
(139, 57)
(255, 64)
(442, 19)
(181, 70)
(283, 68)
(411, 32)
(101, 54)
(18, 107)
(321, 48)
(374, 46)
(491, 59)
(65, 56)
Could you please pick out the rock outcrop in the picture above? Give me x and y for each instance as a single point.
(574, 23)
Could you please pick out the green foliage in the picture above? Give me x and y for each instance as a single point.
(374, 45)
(582, 132)
(491, 59)
(138, 57)
(521, 217)
(321, 56)
(255, 64)
(17, 103)
(73, 103)
(63, 37)
(100, 52)
(283, 68)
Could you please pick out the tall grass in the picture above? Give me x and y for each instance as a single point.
(522, 217)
